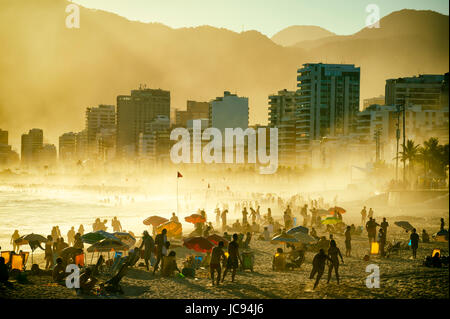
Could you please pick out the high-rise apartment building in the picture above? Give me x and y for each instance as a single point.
(67, 146)
(425, 90)
(327, 104)
(194, 111)
(98, 119)
(282, 108)
(31, 145)
(229, 111)
(134, 112)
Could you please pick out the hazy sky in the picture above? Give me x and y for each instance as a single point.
(266, 16)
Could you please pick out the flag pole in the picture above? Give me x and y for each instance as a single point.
(177, 193)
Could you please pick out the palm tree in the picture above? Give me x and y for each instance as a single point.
(410, 153)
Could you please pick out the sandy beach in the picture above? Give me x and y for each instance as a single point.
(400, 277)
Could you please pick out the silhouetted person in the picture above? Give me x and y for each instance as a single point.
(59, 272)
(244, 216)
(318, 266)
(71, 236)
(149, 246)
(233, 258)
(334, 252)
(348, 241)
(363, 216)
(382, 241)
(425, 236)
(217, 256)
(48, 252)
(160, 242)
(116, 225)
(14, 237)
(174, 218)
(224, 219)
(414, 242)
(442, 224)
(384, 225)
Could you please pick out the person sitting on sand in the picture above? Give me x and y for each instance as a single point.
(319, 266)
(233, 258)
(279, 261)
(87, 281)
(217, 256)
(266, 234)
(170, 265)
(59, 272)
(174, 218)
(425, 236)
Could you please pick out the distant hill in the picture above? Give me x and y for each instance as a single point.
(299, 33)
(49, 74)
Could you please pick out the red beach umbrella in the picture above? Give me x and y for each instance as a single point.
(195, 218)
(155, 220)
(200, 244)
(335, 209)
(215, 239)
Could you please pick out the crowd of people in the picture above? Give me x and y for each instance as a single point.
(155, 249)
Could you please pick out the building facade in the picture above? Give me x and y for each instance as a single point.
(327, 104)
(134, 112)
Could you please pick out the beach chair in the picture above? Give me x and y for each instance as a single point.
(79, 260)
(113, 285)
(7, 255)
(17, 262)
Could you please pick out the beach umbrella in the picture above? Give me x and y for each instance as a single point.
(32, 238)
(322, 212)
(298, 229)
(200, 244)
(337, 209)
(106, 245)
(405, 225)
(304, 237)
(215, 239)
(125, 238)
(195, 218)
(155, 221)
(441, 236)
(70, 251)
(285, 238)
(93, 237)
(330, 221)
(173, 228)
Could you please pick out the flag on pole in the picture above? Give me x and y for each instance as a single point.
(179, 175)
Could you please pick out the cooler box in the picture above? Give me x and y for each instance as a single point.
(374, 248)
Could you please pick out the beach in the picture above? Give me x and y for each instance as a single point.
(400, 277)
